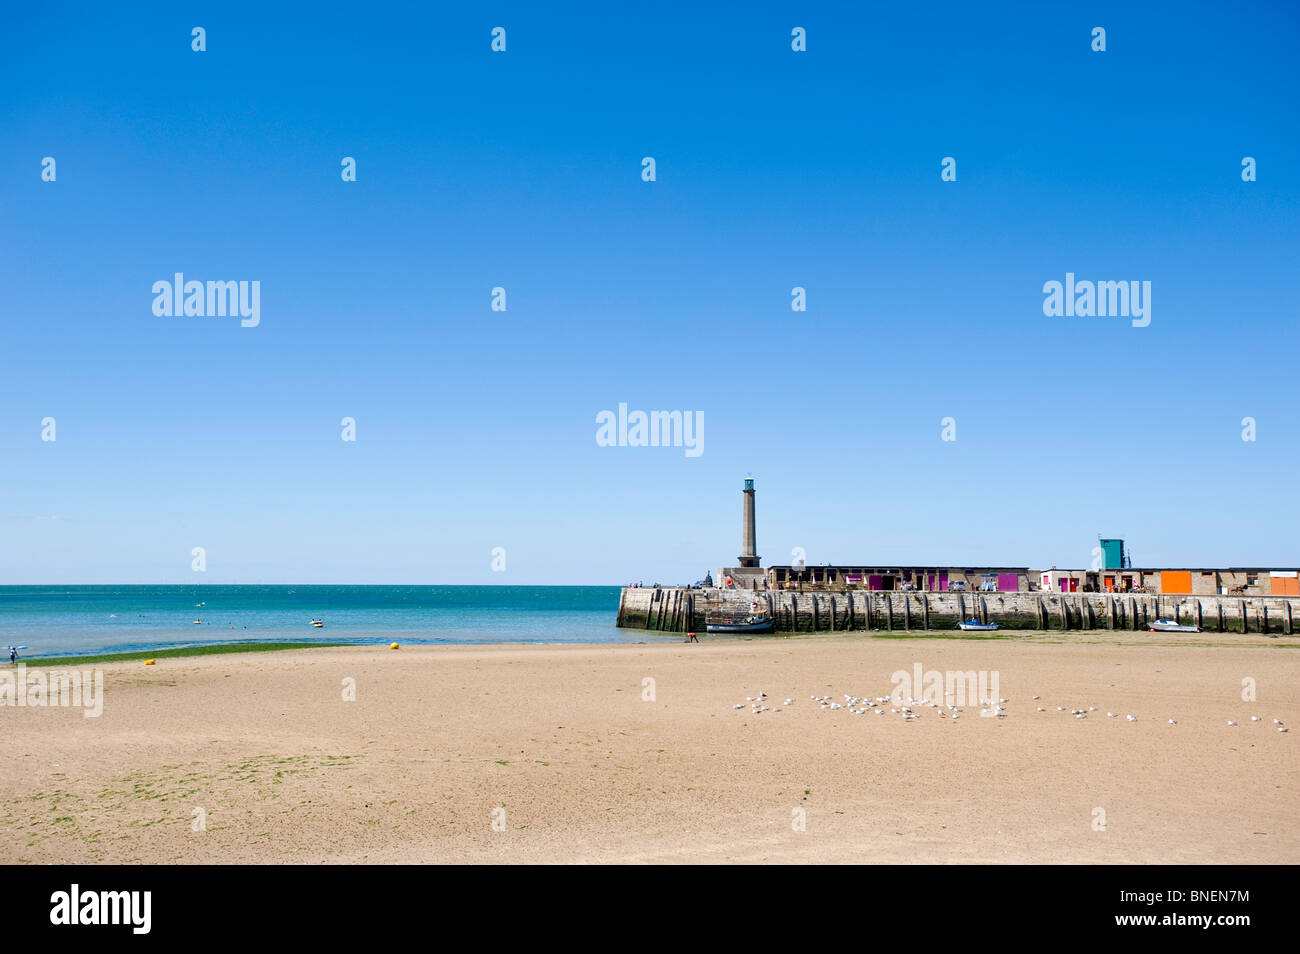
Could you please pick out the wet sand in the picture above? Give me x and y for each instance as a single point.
(558, 754)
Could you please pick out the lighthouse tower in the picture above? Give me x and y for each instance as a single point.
(748, 555)
(748, 575)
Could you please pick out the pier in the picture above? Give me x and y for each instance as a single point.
(683, 609)
(1113, 595)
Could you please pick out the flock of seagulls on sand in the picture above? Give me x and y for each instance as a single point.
(888, 705)
(879, 705)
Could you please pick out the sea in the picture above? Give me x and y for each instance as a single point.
(75, 620)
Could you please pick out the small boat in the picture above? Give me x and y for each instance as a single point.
(1171, 626)
(976, 626)
(318, 623)
(745, 623)
(198, 622)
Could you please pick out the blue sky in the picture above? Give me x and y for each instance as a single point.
(476, 429)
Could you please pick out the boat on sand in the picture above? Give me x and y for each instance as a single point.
(759, 622)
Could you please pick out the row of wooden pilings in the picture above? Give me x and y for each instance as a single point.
(1134, 613)
(849, 615)
(673, 614)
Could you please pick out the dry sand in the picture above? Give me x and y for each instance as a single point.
(284, 770)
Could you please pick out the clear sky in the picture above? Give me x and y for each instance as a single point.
(523, 169)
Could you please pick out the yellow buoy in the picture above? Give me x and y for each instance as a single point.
(149, 662)
(392, 645)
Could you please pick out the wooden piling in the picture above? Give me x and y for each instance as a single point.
(889, 609)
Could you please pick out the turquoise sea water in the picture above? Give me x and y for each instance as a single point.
(59, 620)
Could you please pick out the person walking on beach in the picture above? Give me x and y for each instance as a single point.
(13, 655)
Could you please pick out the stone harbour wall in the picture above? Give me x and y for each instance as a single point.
(677, 609)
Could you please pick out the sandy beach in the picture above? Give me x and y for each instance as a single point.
(258, 758)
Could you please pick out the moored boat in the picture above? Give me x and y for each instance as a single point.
(976, 625)
(1171, 626)
(318, 623)
(743, 623)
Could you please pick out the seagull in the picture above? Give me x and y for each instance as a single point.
(1172, 722)
(1041, 709)
(1277, 721)
(1131, 718)
(1230, 722)
(1254, 718)
(1035, 697)
(1281, 728)
(1110, 715)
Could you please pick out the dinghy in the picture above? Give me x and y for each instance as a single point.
(977, 626)
(1171, 626)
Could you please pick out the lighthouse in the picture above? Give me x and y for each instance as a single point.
(748, 553)
(748, 573)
